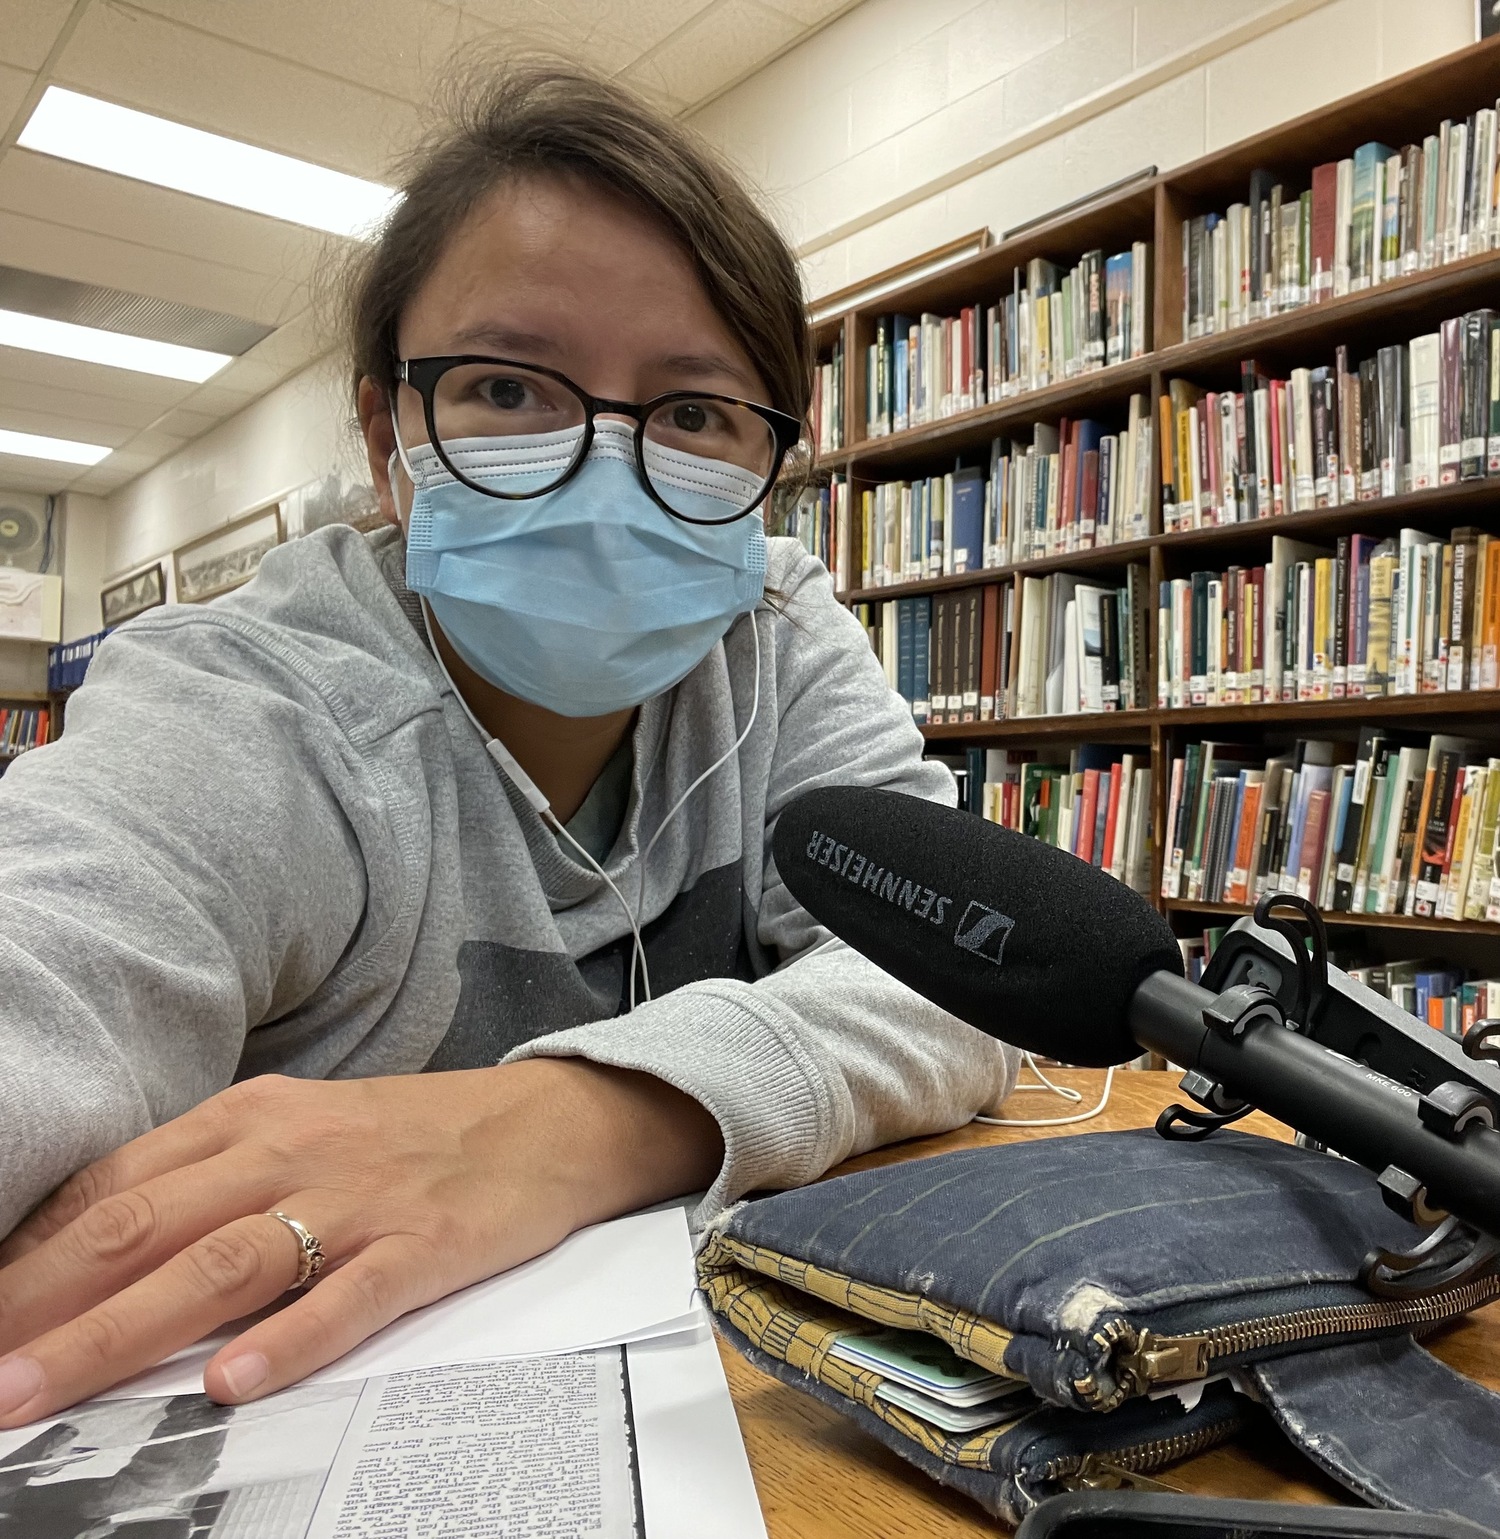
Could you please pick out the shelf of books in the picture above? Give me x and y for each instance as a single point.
(25, 723)
(1176, 519)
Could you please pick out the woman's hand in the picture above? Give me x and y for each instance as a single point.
(416, 1186)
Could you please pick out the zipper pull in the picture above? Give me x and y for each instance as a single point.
(1166, 1359)
(1097, 1473)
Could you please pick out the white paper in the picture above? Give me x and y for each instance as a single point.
(541, 1447)
(636, 1442)
(694, 1476)
(622, 1281)
(444, 1430)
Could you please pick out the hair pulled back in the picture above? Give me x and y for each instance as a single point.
(533, 119)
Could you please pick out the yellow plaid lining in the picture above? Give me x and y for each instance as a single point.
(744, 1284)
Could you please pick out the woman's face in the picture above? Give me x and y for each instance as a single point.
(557, 272)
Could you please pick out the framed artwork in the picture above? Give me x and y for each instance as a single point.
(129, 596)
(344, 496)
(229, 557)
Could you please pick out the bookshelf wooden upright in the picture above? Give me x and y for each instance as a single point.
(1397, 111)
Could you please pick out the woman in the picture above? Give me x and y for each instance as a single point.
(455, 797)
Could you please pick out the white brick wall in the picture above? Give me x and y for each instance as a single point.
(866, 137)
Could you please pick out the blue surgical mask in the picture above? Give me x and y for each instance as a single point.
(590, 598)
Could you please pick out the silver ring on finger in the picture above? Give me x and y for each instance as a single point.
(310, 1257)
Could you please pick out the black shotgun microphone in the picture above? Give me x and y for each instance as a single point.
(1040, 949)
(1024, 941)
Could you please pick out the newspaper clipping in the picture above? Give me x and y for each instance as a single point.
(541, 1446)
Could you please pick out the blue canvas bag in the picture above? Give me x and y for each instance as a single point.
(1153, 1296)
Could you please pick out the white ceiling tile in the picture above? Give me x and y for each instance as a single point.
(128, 412)
(719, 46)
(604, 37)
(42, 247)
(27, 475)
(14, 84)
(614, 36)
(102, 479)
(397, 47)
(188, 423)
(219, 399)
(28, 29)
(282, 354)
(178, 72)
(23, 419)
(91, 379)
(121, 466)
(812, 13)
(82, 198)
(153, 442)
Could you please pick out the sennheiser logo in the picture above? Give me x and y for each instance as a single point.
(845, 861)
(983, 931)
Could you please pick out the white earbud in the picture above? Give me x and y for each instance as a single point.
(519, 778)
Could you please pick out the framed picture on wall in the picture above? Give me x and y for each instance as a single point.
(343, 496)
(229, 557)
(129, 596)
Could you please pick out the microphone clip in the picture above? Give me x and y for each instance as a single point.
(1310, 954)
(1229, 1014)
(1447, 1257)
(1453, 1252)
(1481, 1041)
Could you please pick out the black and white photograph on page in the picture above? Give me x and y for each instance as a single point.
(534, 1449)
(175, 1468)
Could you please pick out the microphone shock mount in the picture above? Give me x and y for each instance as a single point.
(1452, 1252)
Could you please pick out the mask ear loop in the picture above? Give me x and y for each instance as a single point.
(398, 453)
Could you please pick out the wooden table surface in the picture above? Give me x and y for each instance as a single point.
(819, 1477)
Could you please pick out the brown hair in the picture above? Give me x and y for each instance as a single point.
(547, 118)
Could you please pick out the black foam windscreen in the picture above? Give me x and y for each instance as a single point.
(1024, 941)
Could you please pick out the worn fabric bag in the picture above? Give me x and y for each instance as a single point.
(1103, 1270)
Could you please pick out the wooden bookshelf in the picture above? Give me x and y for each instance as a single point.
(23, 703)
(1397, 111)
(1473, 707)
(1354, 921)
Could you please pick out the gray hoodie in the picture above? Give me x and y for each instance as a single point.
(272, 841)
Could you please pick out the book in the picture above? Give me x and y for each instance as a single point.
(1372, 740)
(1423, 376)
(1450, 399)
(1445, 758)
(1474, 406)
(1365, 215)
(967, 522)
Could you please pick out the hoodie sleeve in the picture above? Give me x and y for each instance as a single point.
(177, 869)
(827, 1056)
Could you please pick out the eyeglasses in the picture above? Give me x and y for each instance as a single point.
(467, 397)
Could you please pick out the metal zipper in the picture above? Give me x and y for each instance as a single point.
(1139, 1360)
(1128, 1466)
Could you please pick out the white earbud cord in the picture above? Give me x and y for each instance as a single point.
(528, 788)
(502, 756)
(1064, 1091)
(533, 794)
(661, 828)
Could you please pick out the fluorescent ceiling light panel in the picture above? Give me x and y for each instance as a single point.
(89, 344)
(152, 149)
(35, 446)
